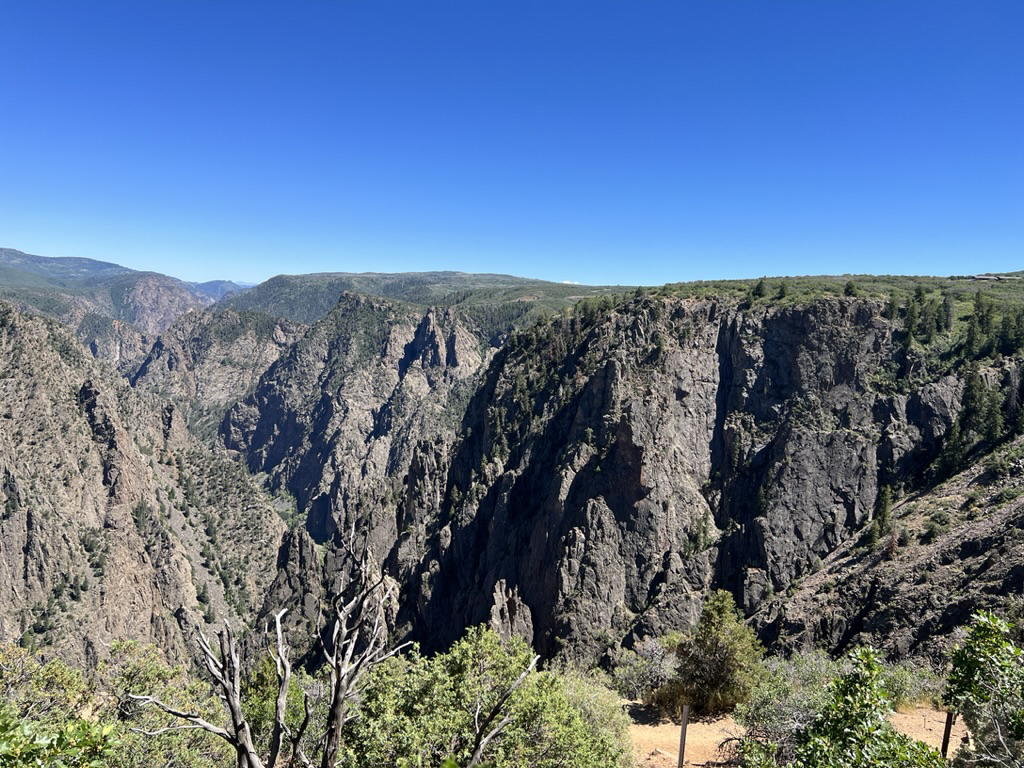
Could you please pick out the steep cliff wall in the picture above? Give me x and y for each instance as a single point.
(114, 523)
(610, 466)
(208, 361)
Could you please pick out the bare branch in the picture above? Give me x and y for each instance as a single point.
(195, 719)
(284, 676)
(482, 739)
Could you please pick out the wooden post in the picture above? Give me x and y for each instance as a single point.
(682, 735)
(950, 717)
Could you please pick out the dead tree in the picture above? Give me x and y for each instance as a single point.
(225, 671)
(352, 653)
(359, 642)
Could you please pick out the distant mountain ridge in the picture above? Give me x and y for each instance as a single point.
(115, 311)
(64, 268)
(61, 268)
(309, 297)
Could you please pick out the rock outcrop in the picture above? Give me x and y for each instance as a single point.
(590, 480)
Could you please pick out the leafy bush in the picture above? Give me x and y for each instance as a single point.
(809, 708)
(852, 730)
(718, 661)
(259, 701)
(637, 674)
(135, 668)
(910, 682)
(986, 686)
(419, 711)
(73, 743)
(785, 700)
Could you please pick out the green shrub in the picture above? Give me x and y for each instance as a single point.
(638, 673)
(419, 711)
(718, 661)
(73, 743)
(910, 682)
(784, 701)
(852, 730)
(986, 686)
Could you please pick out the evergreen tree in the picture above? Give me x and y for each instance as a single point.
(947, 312)
(973, 343)
(993, 420)
(929, 319)
(1007, 335)
(954, 451)
(910, 322)
(892, 307)
(973, 401)
(883, 514)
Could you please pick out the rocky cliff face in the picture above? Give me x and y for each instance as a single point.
(955, 549)
(114, 523)
(370, 391)
(612, 473)
(589, 481)
(207, 361)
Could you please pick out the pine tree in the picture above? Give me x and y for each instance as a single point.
(883, 515)
(993, 422)
(951, 457)
(910, 322)
(972, 346)
(972, 411)
(947, 312)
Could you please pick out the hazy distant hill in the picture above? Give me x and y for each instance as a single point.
(218, 289)
(307, 298)
(57, 268)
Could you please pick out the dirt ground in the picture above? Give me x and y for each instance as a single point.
(656, 744)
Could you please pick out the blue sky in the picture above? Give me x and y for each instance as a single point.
(600, 142)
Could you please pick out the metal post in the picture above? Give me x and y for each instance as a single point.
(682, 735)
(950, 717)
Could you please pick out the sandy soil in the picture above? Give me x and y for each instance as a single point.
(656, 745)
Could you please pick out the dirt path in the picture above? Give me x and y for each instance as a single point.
(656, 745)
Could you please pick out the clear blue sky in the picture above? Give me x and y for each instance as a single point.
(601, 142)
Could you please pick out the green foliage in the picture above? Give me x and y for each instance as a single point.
(259, 703)
(784, 701)
(936, 525)
(139, 669)
(638, 673)
(45, 692)
(852, 731)
(883, 510)
(39, 715)
(419, 711)
(809, 707)
(910, 682)
(73, 743)
(718, 661)
(986, 686)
